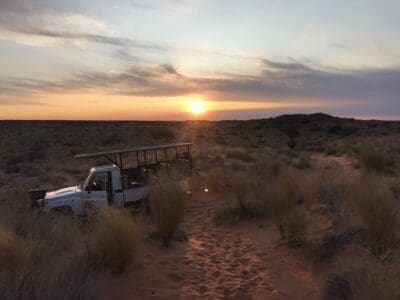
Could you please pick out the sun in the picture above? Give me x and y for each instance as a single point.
(196, 106)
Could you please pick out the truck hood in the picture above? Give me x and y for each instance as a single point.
(63, 193)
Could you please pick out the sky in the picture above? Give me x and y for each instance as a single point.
(187, 59)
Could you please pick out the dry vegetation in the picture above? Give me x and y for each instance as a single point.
(297, 194)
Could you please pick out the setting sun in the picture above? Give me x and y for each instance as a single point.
(196, 106)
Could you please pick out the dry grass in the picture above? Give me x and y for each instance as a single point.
(378, 212)
(167, 203)
(41, 257)
(362, 278)
(332, 187)
(283, 196)
(13, 251)
(239, 154)
(216, 180)
(116, 239)
(374, 159)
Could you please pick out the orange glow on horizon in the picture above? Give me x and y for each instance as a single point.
(98, 106)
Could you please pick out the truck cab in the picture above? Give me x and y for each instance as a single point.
(120, 184)
(103, 187)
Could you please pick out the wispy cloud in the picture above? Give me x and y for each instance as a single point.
(278, 80)
(58, 25)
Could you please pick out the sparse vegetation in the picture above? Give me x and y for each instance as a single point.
(374, 159)
(13, 251)
(40, 257)
(167, 203)
(377, 210)
(116, 239)
(261, 175)
(282, 208)
(361, 279)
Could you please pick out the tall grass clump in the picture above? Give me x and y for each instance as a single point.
(116, 239)
(282, 198)
(361, 278)
(332, 187)
(167, 203)
(374, 159)
(40, 257)
(13, 251)
(378, 212)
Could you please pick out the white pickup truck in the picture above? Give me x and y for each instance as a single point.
(111, 185)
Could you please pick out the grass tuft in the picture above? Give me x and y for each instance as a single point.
(378, 212)
(167, 203)
(116, 239)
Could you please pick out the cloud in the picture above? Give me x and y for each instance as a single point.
(43, 23)
(278, 81)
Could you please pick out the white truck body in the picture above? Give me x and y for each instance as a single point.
(102, 188)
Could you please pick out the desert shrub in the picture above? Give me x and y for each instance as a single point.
(332, 187)
(116, 239)
(167, 203)
(2, 179)
(377, 210)
(65, 282)
(361, 279)
(302, 162)
(216, 180)
(239, 154)
(282, 198)
(161, 133)
(38, 255)
(13, 251)
(374, 159)
(240, 189)
(248, 200)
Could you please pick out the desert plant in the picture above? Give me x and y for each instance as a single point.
(60, 281)
(239, 154)
(361, 278)
(215, 180)
(374, 159)
(2, 178)
(240, 189)
(332, 187)
(116, 239)
(13, 251)
(377, 210)
(296, 226)
(283, 196)
(167, 203)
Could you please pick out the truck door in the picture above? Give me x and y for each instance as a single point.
(96, 192)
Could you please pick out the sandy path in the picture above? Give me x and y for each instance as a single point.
(245, 261)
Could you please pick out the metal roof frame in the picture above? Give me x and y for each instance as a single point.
(115, 156)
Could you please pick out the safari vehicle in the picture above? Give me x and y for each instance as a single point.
(120, 184)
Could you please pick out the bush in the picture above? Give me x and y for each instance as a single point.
(215, 180)
(248, 201)
(167, 203)
(2, 179)
(116, 239)
(239, 154)
(62, 282)
(332, 188)
(161, 133)
(374, 159)
(13, 251)
(377, 210)
(283, 196)
(361, 279)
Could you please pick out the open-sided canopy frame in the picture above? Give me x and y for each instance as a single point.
(115, 156)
